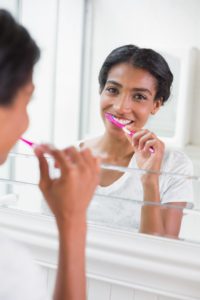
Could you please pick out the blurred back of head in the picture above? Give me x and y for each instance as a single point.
(18, 54)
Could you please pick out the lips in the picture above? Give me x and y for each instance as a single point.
(119, 120)
(122, 121)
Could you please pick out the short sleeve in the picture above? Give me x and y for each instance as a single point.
(177, 188)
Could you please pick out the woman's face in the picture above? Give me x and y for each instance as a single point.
(14, 120)
(128, 95)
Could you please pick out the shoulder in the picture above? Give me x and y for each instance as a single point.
(87, 142)
(177, 161)
(91, 143)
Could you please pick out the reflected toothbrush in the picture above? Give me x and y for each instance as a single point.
(111, 118)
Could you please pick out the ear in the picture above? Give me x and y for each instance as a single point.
(156, 105)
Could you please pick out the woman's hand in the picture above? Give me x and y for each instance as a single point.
(143, 141)
(69, 195)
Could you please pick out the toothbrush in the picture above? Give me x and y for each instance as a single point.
(110, 118)
(31, 144)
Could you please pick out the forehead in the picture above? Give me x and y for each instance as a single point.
(128, 75)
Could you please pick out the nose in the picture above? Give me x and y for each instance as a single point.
(122, 104)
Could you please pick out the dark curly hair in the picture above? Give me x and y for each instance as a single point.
(18, 55)
(142, 58)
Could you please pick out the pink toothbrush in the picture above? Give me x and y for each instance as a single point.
(31, 144)
(110, 118)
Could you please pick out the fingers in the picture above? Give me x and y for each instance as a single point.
(85, 162)
(89, 159)
(150, 146)
(92, 163)
(63, 159)
(144, 138)
(137, 137)
(146, 141)
(70, 157)
(44, 168)
(83, 158)
(75, 157)
(66, 152)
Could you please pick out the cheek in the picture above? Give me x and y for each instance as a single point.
(144, 111)
(104, 105)
(105, 101)
(142, 114)
(24, 121)
(102, 101)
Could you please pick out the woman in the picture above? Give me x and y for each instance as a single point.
(134, 84)
(20, 279)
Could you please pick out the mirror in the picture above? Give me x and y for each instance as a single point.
(65, 108)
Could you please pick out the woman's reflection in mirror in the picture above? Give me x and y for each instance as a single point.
(133, 84)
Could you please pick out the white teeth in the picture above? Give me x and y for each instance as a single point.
(122, 121)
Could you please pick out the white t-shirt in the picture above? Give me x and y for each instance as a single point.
(119, 204)
(20, 277)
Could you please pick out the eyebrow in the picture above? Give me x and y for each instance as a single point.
(114, 82)
(139, 89)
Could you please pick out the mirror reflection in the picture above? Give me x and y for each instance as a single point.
(134, 83)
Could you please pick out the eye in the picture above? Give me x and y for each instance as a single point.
(112, 90)
(139, 97)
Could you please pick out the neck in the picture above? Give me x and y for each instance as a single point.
(117, 148)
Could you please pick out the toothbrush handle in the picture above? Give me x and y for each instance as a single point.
(151, 149)
(131, 133)
(31, 144)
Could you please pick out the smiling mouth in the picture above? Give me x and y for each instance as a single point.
(119, 122)
(122, 121)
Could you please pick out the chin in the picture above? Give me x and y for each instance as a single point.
(117, 133)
